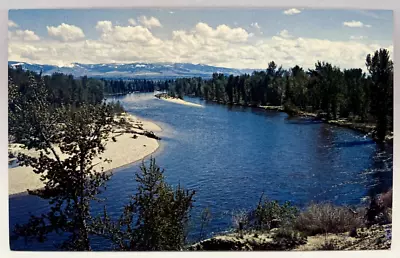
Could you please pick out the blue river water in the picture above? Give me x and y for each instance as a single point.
(230, 155)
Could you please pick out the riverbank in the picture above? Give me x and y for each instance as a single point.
(133, 142)
(372, 238)
(165, 97)
(361, 127)
(322, 226)
(366, 128)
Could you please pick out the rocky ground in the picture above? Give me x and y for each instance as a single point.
(377, 237)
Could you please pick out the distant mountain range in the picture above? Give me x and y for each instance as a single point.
(133, 70)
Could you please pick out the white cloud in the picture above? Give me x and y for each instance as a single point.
(65, 32)
(222, 32)
(122, 34)
(104, 26)
(292, 11)
(357, 37)
(12, 24)
(356, 24)
(255, 25)
(23, 35)
(132, 21)
(137, 34)
(353, 24)
(149, 22)
(285, 34)
(171, 12)
(220, 45)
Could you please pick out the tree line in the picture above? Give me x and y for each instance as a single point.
(67, 89)
(61, 89)
(348, 93)
(133, 85)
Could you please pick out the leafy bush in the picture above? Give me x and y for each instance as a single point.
(270, 214)
(326, 218)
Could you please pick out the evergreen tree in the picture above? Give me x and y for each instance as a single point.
(156, 217)
(380, 68)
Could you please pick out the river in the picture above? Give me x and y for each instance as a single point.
(230, 155)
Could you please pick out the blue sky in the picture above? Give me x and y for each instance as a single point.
(246, 38)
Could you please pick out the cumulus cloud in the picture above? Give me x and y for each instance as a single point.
(65, 32)
(355, 24)
(292, 11)
(285, 34)
(132, 21)
(22, 35)
(131, 34)
(149, 22)
(220, 46)
(122, 34)
(104, 26)
(222, 32)
(12, 24)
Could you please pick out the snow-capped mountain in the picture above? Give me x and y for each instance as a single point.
(133, 70)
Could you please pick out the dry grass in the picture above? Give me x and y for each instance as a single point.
(327, 245)
(327, 218)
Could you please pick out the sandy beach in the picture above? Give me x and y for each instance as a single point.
(182, 102)
(124, 151)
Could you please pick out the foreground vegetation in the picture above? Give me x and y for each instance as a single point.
(327, 90)
(322, 226)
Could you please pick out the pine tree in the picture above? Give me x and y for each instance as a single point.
(381, 69)
(156, 217)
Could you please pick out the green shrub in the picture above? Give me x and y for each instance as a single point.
(270, 214)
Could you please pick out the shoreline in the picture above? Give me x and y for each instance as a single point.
(164, 97)
(125, 151)
(364, 128)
